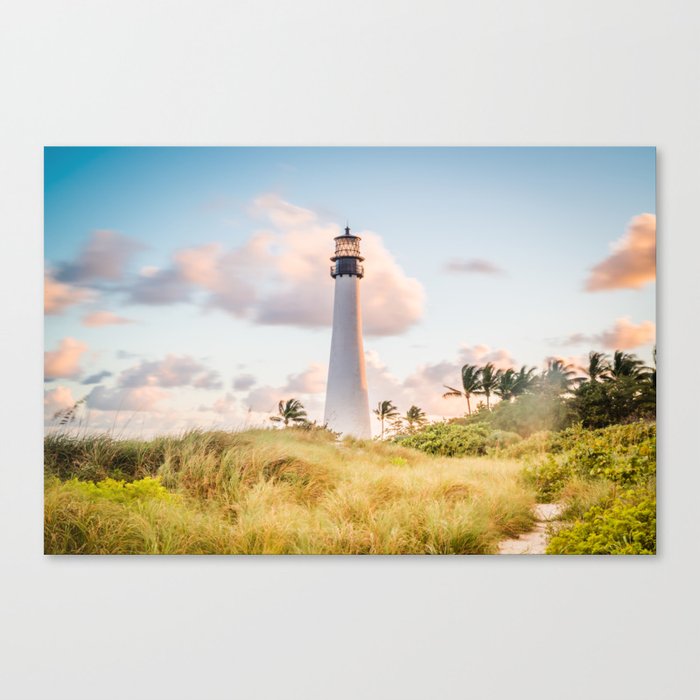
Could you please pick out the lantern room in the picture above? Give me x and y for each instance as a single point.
(347, 256)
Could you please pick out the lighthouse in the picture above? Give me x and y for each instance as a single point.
(347, 406)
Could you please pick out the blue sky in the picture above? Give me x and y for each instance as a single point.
(480, 253)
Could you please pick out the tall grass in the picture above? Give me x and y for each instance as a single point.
(278, 491)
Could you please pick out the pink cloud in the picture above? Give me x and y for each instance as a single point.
(225, 404)
(632, 263)
(57, 399)
(104, 318)
(64, 362)
(624, 335)
(307, 386)
(58, 296)
(310, 381)
(264, 399)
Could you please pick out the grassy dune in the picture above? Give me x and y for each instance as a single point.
(275, 492)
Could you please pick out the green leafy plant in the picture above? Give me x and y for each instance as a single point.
(119, 491)
(625, 526)
(450, 440)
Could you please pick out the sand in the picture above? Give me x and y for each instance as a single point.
(535, 541)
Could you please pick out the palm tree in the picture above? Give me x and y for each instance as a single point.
(652, 370)
(385, 411)
(525, 380)
(507, 385)
(598, 366)
(471, 383)
(625, 364)
(490, 377)
(559, 376)
(415, 417)
(292, 410)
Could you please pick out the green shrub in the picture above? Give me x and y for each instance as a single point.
(605, 480)
(621, 454)
(122, 491)
(548, 477)
(618, 437)
(450, 440)
(625, 526)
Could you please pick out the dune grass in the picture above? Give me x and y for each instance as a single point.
(275, 492)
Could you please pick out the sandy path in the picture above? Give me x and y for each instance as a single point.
(535, 541)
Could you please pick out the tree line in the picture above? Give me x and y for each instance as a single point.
(610, 389)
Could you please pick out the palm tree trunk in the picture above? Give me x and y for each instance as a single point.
(382, 436)
(488, 403)
(469, 406)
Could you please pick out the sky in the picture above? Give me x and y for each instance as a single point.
(190, 287)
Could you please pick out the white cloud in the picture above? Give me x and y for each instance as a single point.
(280, 275)
(140, 398)
(473, 266)
(105, 256)
(97, 377)
(243, 382)
(224, 405)
(172, 371)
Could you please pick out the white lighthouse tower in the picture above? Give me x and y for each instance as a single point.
(347, 406)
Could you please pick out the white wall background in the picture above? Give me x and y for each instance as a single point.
(314, 72)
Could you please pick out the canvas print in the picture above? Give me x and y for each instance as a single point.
(350, 351)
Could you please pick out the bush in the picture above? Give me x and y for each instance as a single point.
(450, 440)
(548, 477)
(606, 481)
(626, 526)
(122, 491)
(621, 454)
